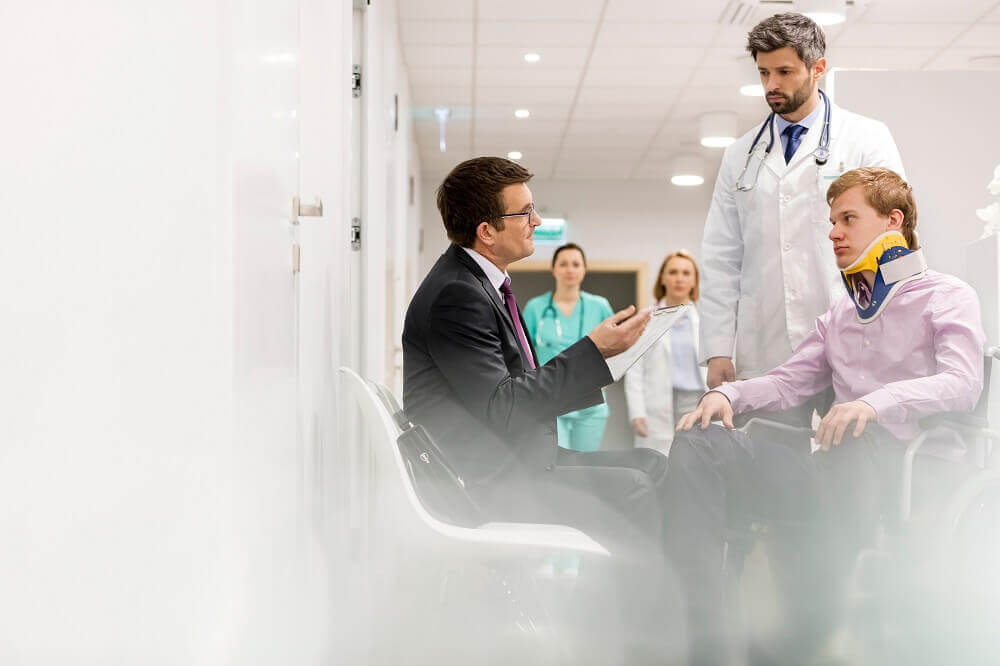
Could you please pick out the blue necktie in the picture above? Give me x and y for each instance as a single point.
(794, 134)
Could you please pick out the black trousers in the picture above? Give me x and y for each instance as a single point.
(618, 498)
(830, 502)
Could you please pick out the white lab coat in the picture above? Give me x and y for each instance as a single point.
(768, 268)
(649, 388)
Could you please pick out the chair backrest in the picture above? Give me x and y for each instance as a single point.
(447, 503)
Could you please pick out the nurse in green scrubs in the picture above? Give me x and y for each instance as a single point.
(555, 321)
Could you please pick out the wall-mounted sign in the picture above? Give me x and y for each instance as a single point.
(552, 231)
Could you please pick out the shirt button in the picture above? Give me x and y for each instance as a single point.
(867, 342)
(861, 377)
(788, 246)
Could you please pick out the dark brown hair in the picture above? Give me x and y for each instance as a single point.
(568, 246)
(659, 291)
(471, 195)
(885, 190)
(790, 29)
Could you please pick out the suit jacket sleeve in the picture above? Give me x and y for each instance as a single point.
(465, 344)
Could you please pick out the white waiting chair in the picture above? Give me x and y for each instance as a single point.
(449, 593)
(524, 539)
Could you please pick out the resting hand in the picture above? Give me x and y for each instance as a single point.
(831, 429)
(640, 427)
(720, 369)
(713, 404)
(619, 332)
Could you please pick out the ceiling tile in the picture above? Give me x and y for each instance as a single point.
(656, 34)
(438, 56)
(615, 112)
(655, 170)
(518, 95)
(539, 112)
(907, 35)
(639, 77)
(908, 11)
(513, 127)
(673, 11)
(535, 35)
(585, 154)
(513, 57)
(960, 59)
(728, 56)
(538, 77)
(986, 35)
(879, 58)
(645, 56)
(437, 9)
(436, 33)
(519, 141)
(661, 96)
(431, 96)
(533, 10)
(595, 170)
(440, 77)
(993, 17)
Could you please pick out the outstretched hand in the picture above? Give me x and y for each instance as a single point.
(619, 331)
(712, 405)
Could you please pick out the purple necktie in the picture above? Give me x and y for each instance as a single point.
(508, 296)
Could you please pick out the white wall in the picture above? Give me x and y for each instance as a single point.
(945, 126)
(614, 221)
(168, 455)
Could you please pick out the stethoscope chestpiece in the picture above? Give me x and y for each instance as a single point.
(822, 155)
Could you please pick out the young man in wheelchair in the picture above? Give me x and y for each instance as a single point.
(903, 343)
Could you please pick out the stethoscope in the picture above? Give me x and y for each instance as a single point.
(821, 154)
(550, 313)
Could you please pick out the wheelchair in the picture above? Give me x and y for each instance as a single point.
(927, 590)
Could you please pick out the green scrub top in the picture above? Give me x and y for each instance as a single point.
(551, 331)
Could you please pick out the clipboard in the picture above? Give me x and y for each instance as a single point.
(659, 323)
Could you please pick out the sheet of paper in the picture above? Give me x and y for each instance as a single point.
(659, 323)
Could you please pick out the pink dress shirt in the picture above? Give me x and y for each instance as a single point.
(923, 354)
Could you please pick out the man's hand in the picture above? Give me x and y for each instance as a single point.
(831, 429)
(713, 404)
(641, 427)
(720, 369)
(614, 335)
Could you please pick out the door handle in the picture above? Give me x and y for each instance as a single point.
(306, 210)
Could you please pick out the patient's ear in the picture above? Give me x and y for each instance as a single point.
(895, 219)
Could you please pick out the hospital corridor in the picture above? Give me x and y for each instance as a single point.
(500, 332)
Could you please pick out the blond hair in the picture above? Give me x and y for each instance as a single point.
(659, 291)
(885, 191)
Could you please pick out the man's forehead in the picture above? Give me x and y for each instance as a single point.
(516, 196)
(852, 198)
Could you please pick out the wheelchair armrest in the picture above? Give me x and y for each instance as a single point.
(959, 420)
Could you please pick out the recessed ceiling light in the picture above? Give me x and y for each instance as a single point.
(687, 180)
(688, 171)
(514, 155)
(717, 129)
(752, 90)
(522, 113)
(532, 57)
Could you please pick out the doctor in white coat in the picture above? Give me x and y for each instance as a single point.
(767, 268)
(668, 380)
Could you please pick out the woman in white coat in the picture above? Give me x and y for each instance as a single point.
(668, 380)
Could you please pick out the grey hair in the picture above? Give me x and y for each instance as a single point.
(790, 29)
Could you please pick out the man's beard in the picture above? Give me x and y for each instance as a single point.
(792, 104)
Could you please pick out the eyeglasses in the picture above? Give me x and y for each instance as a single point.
(528, 214)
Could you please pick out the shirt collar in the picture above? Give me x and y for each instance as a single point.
(493, 274)
(806, 122)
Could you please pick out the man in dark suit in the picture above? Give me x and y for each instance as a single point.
(472, 379)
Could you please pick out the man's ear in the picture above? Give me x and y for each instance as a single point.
(485, 233)
(819, 69)
(895, 219)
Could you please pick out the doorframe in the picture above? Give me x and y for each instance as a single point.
(637, 268)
